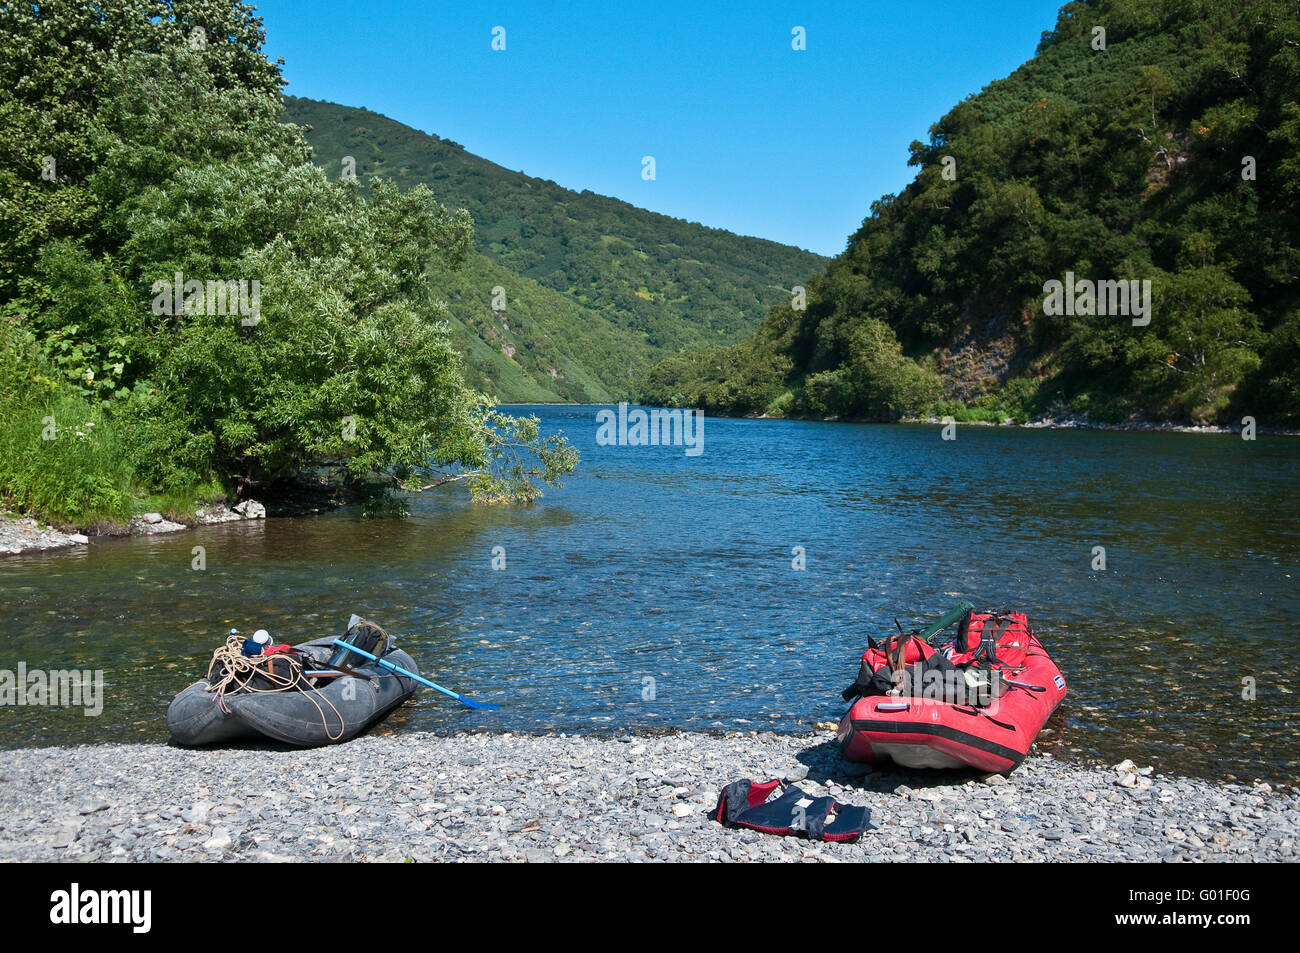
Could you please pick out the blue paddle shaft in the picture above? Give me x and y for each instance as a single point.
(463, 699)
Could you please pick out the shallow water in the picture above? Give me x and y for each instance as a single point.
(657, 589)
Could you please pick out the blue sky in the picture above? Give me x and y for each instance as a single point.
(747, 134)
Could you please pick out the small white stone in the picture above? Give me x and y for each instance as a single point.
(197, 813)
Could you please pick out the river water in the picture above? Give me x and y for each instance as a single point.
(660, 589)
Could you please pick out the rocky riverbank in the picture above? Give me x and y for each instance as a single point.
(25, 534)
(1057, 422)
(510, 797)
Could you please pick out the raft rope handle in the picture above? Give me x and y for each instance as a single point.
(240, 670)
(975, 711)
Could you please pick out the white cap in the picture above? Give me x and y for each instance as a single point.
(262, 637)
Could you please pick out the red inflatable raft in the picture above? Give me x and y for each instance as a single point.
(979, 701)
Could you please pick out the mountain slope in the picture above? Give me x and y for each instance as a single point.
(596, 289)
(1166, 152)
(541, 347)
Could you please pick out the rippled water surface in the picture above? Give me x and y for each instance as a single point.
(657, 589)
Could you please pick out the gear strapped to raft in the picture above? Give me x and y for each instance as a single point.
(971, 668)
(283, 668)
(745, 803)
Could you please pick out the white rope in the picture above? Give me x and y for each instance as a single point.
(240, 669)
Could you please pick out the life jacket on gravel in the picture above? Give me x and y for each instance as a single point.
(745, 804)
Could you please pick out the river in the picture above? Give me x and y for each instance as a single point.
(659, 589)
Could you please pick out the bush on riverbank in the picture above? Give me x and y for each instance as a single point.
(200, 293)
(60, 456)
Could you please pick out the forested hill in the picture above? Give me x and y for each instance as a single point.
(1146, 141)
(596, 289)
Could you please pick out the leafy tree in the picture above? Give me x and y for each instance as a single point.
(1128, 164)
(161, 124)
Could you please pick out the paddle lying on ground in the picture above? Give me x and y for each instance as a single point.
(463, 699)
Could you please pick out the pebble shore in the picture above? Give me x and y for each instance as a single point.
(26, 534)
(511, 797)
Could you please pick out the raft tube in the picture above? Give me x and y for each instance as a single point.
(920, 732)
(338, 710)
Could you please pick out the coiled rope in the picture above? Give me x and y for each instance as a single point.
(239, 670)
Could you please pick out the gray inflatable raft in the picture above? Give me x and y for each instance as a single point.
(338, 710)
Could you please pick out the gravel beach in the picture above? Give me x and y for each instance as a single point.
(510, 797)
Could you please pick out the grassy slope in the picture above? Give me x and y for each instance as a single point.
(597, 290)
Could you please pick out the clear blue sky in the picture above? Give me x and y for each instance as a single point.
(747, 134)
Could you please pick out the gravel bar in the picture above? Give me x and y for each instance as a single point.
(542, 798)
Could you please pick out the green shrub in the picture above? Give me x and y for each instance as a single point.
(60, 457)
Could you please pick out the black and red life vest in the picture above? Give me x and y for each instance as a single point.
(745, 804)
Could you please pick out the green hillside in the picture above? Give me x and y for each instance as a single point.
(542, 348)
(1167, 150)
(596, 289)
